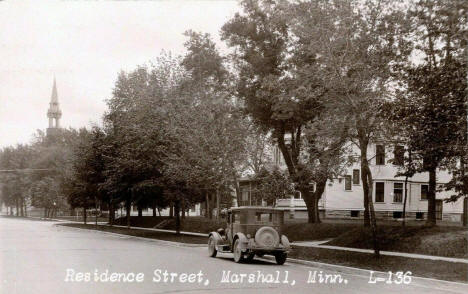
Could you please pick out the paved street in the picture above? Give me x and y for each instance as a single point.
(38, 257)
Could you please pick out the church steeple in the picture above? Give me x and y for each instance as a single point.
(54, 111)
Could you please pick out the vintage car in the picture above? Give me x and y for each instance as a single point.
(251, 231)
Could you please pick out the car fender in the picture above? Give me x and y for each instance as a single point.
(285, 242)
(242, 239)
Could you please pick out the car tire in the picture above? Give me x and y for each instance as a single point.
(238, 255)
(267, 237)
(212, 247)
(281, 258)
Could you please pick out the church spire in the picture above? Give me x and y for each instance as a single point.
(54, 111)
(54, 98)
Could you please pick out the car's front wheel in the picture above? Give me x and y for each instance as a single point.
(281, 257)
(238, 255)
(212, 247)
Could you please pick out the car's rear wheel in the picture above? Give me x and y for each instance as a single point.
(238, 255)
(212, 247)
(281, 257)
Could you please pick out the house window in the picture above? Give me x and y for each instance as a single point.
(398, 155)
(312, 186)
(356, 179)
(397, 192)
(379, 191)
(419, 215)
(297, 195)
(354, 213)
(424, 190)
(380, 155)
(348, 183)
(397, 214)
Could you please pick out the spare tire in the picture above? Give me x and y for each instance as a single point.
(267, 237)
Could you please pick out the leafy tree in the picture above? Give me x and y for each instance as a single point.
(15, 179)
(431, 106)
(270, 83)
(271, 185)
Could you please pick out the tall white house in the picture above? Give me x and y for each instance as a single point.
(343, 196)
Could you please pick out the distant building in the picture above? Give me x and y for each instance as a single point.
(54, 113)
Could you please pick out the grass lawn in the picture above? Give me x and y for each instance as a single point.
(295, 231)
(143, 222)
(322, 231)
(196, 224)
(449, 271)
(439, 241)
(142, 233)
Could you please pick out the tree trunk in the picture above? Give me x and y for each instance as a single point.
(317, 212)
(319, 189)
(217, 203)
(309, 199)
(431, 203)
(373, 220)
(84, 215)
(128, 207)
(111, 213)
(153, 206)
(171, 210)
(17, 206)
(140, 212)
(208, 208)
(22, 206)
(159, 211)
(236, 185)
(183, 210)
(404, 201)
(95, 211)
(177, 215)
(365, 185)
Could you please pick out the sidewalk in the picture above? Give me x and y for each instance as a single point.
(313, 244)
(318, 244)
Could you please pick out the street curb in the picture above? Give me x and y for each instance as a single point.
(164, 242)
(125, 227)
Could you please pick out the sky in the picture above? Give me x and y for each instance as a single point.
(85, 44)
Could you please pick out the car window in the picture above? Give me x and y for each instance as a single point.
(264, 217)
(236, 218)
